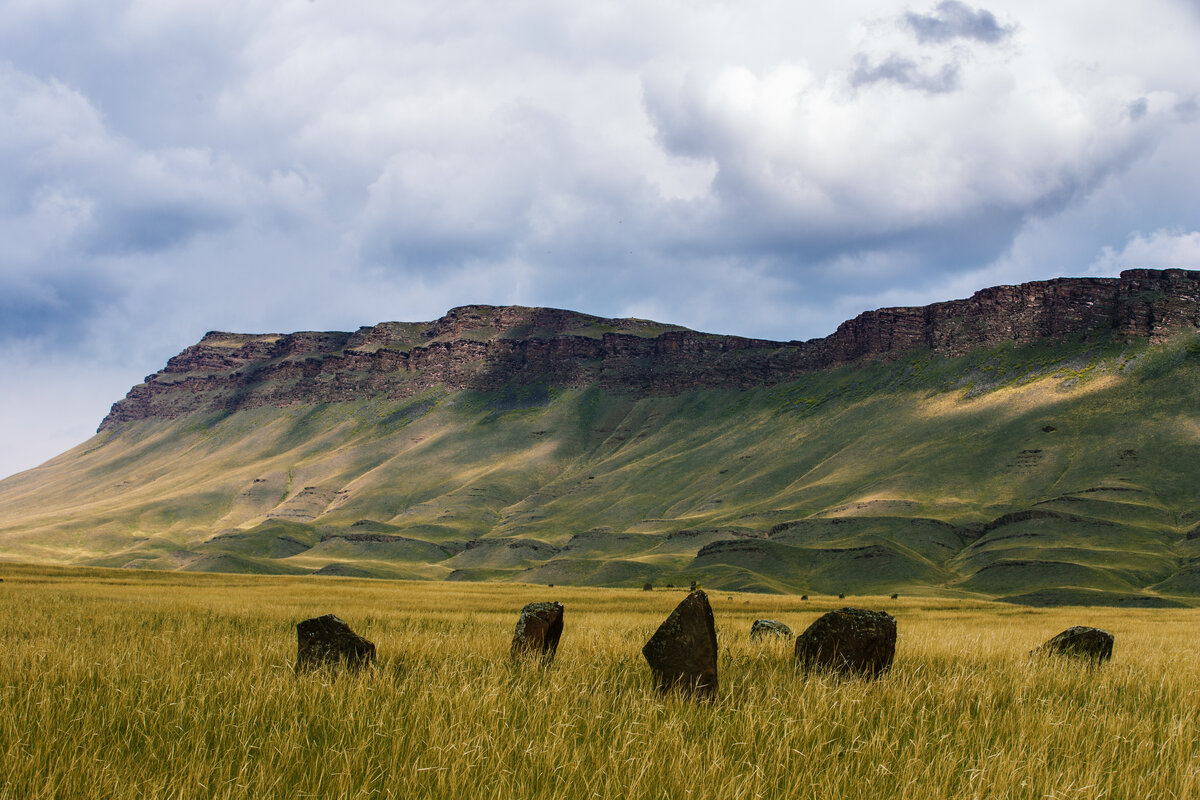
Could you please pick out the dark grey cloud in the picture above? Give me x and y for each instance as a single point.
(53, 311)
(1188, 109)
(907, 73)
(121, 228)
(952, 19)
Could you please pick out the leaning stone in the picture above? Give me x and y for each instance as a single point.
(1091, 644)
(682, 653)
(538, 630)
(851, 641)
(769, 627)
(328, 641)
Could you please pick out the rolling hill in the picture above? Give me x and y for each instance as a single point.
(1039, 443)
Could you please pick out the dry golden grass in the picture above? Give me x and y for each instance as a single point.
(121, 685)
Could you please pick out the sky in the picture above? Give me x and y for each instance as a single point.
(760, 168)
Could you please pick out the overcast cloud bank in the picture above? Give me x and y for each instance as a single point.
(764, 168)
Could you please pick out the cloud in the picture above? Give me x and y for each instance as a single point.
(955, 20)
(810, 169)
(760, 168)
(905, 72)
(1161, 249)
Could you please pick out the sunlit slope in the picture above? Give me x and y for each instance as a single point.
(1032, 472)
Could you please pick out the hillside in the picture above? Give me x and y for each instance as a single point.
(1038, 442)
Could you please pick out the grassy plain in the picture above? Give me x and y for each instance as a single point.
(125, 684)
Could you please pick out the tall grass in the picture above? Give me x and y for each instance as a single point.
(169, 686)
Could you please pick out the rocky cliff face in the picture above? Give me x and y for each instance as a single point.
(485, 348)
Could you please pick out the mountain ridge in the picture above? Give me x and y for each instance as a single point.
(483, 348)
(1037, 443)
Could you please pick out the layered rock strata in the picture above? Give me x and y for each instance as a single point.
(486, 348)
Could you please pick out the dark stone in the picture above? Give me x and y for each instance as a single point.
(682, 653)
(1049, 429)
(895, 596)
(538, 630)
(841, 597)
(649, 587)
(848, 641)
(328, 642)
(1089, 644)
(769, 627)
(803, 597)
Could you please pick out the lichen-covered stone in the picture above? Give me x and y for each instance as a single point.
(538, 630)
(849, 641)
(682, 653)
(769, 627)
(328, 642)
(1089, 644)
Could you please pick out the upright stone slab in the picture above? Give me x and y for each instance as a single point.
(682, 653)
(769, 627)
(328, 641)
(849, 641)
(538, 630)
(1090, 644)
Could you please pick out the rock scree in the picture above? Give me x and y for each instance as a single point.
(682, 653)
(849, 641)
(327, 641)
(769, 627)
(538, 630)
(1078, 641)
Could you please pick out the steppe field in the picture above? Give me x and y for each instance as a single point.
(122, 684)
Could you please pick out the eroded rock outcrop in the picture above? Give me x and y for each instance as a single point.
(538, 630)
(769, 628)
(682, 653)
(327, 641)
(849, 641)
(485, 348)
(1084, 643)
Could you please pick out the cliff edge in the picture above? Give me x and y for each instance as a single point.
(485, 348)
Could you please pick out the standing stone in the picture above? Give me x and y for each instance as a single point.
(328, 641)
(1091, 644)
(649, 587)
(769, 627)
(682, 653)
(851, 641)
(538, 630)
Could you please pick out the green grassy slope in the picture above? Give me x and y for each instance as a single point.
(1004, 472)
